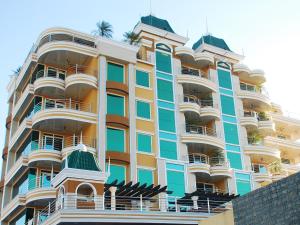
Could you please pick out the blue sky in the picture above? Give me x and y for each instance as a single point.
(268, 32)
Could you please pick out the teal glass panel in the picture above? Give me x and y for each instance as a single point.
(173, 166)
(227, 104)
(163, 62)
(164, 76)
(142, 78)
(233, 148)
(229, 119)
(168, 149)
(235, 160)
(117, 173)
(166, 105)
(145, 176)
(115, 72)
(243, 187)
(166, 120)
(144, 142)
(164, 135)
(231, 133)
(115, 105)
(242, 176)
(115, 140)
(224, 79)
(165, 90)
(31, 179)
(143, 109)
(175, 180)
(226, 92)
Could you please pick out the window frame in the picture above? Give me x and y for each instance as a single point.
(116, 63)
(150, 108)
(145, 168)
(151, 141)
(125, 136)
(149, 79)
(124, 103)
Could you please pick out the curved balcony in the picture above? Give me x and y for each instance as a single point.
(50, 84)
(199, 59)
(249, 120)
(23, 101)
(291, 168)
(190, 106)
(203, 136)
(282, 142)
(257, 151)
(254, 98)
(80, 81)
(70, 144)
(66, 115)
(40, 192)
(199, 163)
(21, 132)
(262, 177)
(253, 76)
(209, 110)
(279, 176)
(13, 208)
(44, 158)
(192, 81)
(17, 169)
(220, 168)
(266, 126)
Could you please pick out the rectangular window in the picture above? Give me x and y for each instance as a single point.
(31, 179)
(235, 160)
(231, 133)
(175, 180)
(144, 142)
(168, 149)
(163, 62)
(165, 90)
(145, 176)
(115, 140)
(243, 187)
(142, 78)
(227, 104)
(115, 105)
(115, 72)
(166, 120)
(224, 79)
(143, 109)
(117, 173)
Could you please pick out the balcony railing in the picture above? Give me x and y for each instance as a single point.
(50, 72)
(194, 72)
(198, 158)
(251, 88)
(196, 100)
(79, 69)
(194, 129)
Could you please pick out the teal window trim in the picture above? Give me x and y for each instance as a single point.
(144, 113)
(140, 81)
(113, 111)
(146, 149)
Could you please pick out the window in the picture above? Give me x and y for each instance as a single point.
(205, 187)
(143, 109)
(115, 105)
(227, 105)
(231, 133)
(168, 149)
(115, 72)
(243, 183)
(117, 173)
(115, 140)
(165, 90)
(163, 62)
(235, 160)
(52, 142)
(31, 179)
(176, 183)
(224, 79)
(144, 143)
(45, 179)
(166, 120)
(145, 176)
(142, 78)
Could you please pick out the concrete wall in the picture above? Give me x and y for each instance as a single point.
(225, 218)
(274, 204)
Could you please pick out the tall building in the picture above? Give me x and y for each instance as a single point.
(106, 132)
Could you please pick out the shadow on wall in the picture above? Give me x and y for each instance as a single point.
(225, 218)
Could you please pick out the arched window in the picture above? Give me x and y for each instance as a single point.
(224, 65)
(163, 47)
(85, 196)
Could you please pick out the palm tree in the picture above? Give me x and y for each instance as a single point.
(131, 37)
(104, 29)
(17, 71)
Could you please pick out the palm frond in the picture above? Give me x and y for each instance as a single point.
(103, 29)
(131, 38)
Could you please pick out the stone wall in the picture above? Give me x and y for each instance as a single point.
(275, 204)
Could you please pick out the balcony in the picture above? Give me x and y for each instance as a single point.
(23, 101)
(40, 192)
(203, 137)
(193, 81)
(71, 142)
(266, 125)
(253, 76)
(80, 80)
(261, 173)
(13, 208)
(284, 143)
(279, 176)
(249, 119)
(290, 168)
(17, 169)
(255, 97)
(199, 59)
(21, 132)
(63, 115)
(259, 151)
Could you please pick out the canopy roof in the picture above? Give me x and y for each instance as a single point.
(211, 40)
(157, 22)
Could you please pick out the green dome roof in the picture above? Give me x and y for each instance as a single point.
(81, 160)
(157, 22)
(211, 40)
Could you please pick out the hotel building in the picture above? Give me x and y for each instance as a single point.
(102, 132)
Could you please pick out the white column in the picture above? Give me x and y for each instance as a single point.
(113, 197)
(195, 203)
(163, 202)
(101, 129)
(132, 122)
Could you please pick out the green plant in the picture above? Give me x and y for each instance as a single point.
(275, 167)
(104, 29)
(254, 137)
(131, 38)
(17, 71)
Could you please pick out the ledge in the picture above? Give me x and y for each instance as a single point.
(8, 121)
(116, 87)
(122, 157)
(4, 152)
(117, 121)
